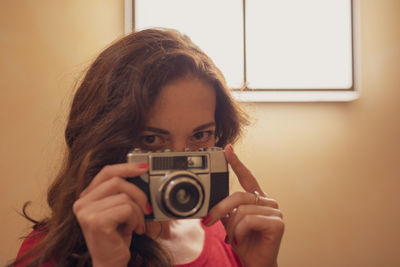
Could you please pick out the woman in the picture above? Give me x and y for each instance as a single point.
(154, 90)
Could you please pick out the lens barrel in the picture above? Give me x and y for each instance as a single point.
(182, 195)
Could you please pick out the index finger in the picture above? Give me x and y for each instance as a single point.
(123, 170)
(246, 178)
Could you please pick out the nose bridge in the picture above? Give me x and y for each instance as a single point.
(179, 144)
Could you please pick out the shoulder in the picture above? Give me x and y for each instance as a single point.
(31, 241)
(29, 250)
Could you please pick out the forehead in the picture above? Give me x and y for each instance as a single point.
(184, 102)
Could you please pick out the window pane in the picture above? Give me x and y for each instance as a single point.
(215, 26)
(293, 44)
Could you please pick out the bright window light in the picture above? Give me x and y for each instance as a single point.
(215, 26)
(278, 50)
(298, 44)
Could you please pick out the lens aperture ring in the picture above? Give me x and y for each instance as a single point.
(182, 195)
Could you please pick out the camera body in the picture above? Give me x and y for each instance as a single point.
(182, 184)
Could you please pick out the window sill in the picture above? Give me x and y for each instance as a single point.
(293, 96)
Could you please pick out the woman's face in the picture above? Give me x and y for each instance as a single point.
(182, 117)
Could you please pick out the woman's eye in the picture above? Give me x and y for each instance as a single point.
(203, 136)
(199, 135)
(151, 140)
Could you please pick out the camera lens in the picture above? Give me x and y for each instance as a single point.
(182, 196)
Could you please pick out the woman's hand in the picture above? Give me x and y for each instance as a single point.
(253, 224)
(109, 210)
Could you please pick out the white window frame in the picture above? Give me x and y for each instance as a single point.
(288, 95)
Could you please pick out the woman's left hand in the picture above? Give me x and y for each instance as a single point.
(253, 224)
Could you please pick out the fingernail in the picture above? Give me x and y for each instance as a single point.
(143, 165)
(206, 220)
(231, 147)
(149, 208)
(235, 241)
(226, 239)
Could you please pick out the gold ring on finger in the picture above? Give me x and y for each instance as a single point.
(257, 195)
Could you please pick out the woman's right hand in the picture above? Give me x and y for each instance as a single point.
(109, 210)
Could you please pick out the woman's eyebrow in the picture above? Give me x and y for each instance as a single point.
(204, 126)
(156, 130)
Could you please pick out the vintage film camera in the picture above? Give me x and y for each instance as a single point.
(182, 184)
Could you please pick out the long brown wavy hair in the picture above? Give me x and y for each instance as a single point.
(108, 112)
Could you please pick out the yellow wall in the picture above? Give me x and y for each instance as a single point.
(334, 167)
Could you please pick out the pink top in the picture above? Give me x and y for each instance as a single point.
(215, 251)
